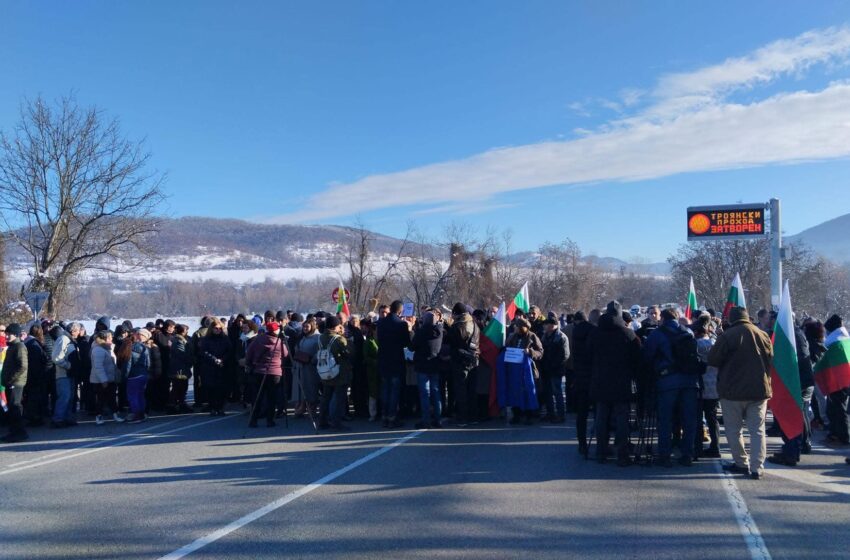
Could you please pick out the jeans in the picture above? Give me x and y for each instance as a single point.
(390, 391)
(62, 407)
(429, 394)
(734, 415)
(686, 398)
(136, 395)
(333, 404)
(604, 412)
(555, 398)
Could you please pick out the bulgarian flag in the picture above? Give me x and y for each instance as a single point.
(4, 404)
(520, 302)
(787, 402)
(690, 310)
(342, 301)
(736, 296)
(832, 372)
(491, 344)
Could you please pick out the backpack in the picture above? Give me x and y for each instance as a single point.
(326, 364)
(468, 355)
(684, 351)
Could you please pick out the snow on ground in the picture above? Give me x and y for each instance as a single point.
(194, 323)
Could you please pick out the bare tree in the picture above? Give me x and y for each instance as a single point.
(372, 277)
(77, 194)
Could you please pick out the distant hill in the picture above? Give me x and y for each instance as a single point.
(831, 239)
(201, 248)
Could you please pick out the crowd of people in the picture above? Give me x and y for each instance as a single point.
(333, 368)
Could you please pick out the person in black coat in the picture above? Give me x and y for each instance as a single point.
(35, 391)
(582, 372)
(616, 352)
(553, 368)
(426, 344)
(393, 334)
(215, 351)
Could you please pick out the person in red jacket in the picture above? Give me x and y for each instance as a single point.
(265, 357)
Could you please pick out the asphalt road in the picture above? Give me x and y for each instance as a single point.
(490, 491)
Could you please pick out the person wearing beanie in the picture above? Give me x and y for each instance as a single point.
(553, 368)
(137, 379)
(14, 379)
(743, 356)
(837, 402)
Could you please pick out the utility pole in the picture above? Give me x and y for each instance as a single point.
(775, 253)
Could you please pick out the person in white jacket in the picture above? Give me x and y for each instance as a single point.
(63, 347)
(103, 375)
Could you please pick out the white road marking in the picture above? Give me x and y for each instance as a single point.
(749, 529)
(93, 449)
(92, 444)
(280, 502)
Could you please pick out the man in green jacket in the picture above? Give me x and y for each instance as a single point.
(14, 378)
(743, 355)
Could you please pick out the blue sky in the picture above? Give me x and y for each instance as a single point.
(597, 121)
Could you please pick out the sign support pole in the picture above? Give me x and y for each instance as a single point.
(775, 253)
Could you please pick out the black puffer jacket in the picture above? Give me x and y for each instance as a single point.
(426, 344)
(582, 357)
(616, 352)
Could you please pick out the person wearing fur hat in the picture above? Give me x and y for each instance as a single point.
(14, 379)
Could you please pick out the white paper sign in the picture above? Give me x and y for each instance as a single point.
(514, 355)
(407, 310)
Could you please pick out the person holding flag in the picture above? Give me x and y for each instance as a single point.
(492, 342)
(832, 374)
(743, 356)
(792, 382)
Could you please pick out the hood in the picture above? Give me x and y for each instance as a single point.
(738, 315)
(106, 322)
(611, 322)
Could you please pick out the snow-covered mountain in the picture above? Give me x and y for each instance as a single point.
(197, 249)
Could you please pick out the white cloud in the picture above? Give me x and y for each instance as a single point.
(689, 129)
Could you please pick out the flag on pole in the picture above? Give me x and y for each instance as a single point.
(691, 309)
(491, 344)
(342, 301)
(787, 401)
(520, 302)
(832, 372)
(736, 296)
